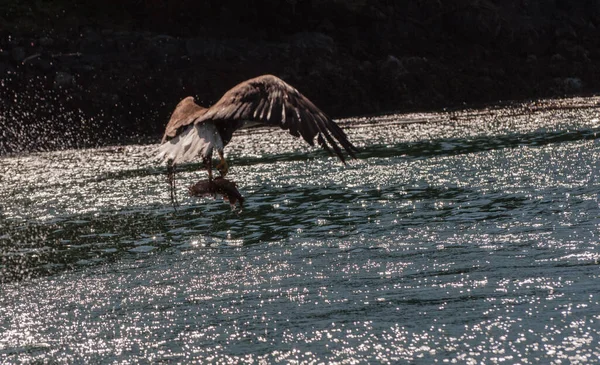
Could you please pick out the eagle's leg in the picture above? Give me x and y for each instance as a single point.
(222, 166)
(208, 165)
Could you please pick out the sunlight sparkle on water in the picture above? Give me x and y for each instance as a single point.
(471, 238)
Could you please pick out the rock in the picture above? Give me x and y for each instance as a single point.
(63, 80)
(6, 68)
(415, 64)
(392, 66)
(556, 65)
(123, 41)
(92, 42)
(376, 13)
(557, 58)
(355, 6)
(18, 54)
(572, 84)
(195, 48)
(566, 32)
(313, 44)
(82, 68)
(567, 85)
(579, 53)
(46, 41)
(160, 49)
(83, 62)
(41, 63)
(211, 49)
(391, 80)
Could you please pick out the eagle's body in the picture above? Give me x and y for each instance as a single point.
(193, 141)
(194, 131)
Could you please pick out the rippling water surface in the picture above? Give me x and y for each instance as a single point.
(458, 237)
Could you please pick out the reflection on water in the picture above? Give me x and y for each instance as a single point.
(467, 237)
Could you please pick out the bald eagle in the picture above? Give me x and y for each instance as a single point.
(194, 131)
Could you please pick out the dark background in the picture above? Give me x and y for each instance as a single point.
(87, 73)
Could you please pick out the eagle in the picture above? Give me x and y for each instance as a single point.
(194, 131)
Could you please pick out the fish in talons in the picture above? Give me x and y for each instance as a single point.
(218, 186)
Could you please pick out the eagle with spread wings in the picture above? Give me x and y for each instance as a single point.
(194, 131)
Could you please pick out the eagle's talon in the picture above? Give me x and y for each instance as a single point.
(223, 167)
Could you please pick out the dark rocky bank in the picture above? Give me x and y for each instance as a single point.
(92, 73)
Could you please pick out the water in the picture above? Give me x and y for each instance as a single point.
(458, 237)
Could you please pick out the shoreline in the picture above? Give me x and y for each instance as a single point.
(83, 81)
(407, 117)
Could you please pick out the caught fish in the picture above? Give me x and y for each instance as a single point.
(218, 186)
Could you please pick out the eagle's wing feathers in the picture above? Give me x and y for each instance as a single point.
(185, 113)
(269, 100)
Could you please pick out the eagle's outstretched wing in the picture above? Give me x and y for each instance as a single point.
(185, 113)
(269, 100)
